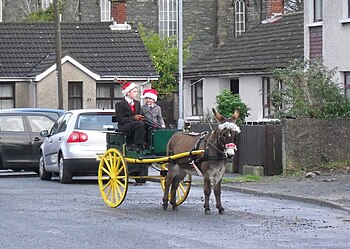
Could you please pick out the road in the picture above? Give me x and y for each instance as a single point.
(48, 214)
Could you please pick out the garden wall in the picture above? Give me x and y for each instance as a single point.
(307, 143)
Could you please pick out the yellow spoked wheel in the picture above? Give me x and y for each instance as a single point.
(184, 187)
(113, 178)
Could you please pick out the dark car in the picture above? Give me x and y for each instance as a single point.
(55, 113)
(20, 139)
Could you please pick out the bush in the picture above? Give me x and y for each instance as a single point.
(309, 91)
(227, 103)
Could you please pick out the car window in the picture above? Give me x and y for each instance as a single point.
(95, 121)
(39, 123)
(11, 123)
(61, 124)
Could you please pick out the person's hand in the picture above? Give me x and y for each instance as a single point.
(138, 117)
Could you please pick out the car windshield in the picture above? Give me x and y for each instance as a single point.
(96, 121)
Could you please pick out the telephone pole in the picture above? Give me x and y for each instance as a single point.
(58, 53)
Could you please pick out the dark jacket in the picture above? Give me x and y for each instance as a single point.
(124, 113)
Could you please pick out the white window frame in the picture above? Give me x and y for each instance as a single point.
(168, 17)
(197, 98)
(105, 10)
(45, 4)
(239, 17)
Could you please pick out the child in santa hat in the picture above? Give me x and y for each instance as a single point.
(151, 111)
(128, 115)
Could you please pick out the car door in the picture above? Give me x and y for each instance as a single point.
(36, 123)
(15, 142)
(51, 145)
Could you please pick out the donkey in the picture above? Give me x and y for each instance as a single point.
(218, 146)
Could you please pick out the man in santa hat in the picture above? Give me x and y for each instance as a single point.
(128, 115)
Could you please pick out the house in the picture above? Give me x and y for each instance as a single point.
(208, 22)
(327, 32)
(93, 55)
(244, 65)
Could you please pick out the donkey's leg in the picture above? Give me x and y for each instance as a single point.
(174, 187)
(217, 188)
(217, 193)
(168, 180)
(207, 192)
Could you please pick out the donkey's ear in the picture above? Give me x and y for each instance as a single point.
(236, 114)
(218, 116)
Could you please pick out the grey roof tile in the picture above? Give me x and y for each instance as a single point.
(260, 49)
(29, 48)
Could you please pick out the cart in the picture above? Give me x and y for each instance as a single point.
(118, 165)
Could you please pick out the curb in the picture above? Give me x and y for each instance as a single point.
(310, 200)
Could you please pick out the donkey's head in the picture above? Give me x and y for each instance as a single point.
(227, 132)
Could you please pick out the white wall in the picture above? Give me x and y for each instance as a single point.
(250, 93)
(336, 34)
(336, 37)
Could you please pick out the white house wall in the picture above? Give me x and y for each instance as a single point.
(249, 90)
(336, 33)
(250, 93)
(336, 37)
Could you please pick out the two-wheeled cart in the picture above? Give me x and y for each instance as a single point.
(118, 165)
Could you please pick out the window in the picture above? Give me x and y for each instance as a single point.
(7, 96)
(11, 123)
(75, 95)
(239, 17)
(318, 10)
(105, 10)
(234, 86)
(348, 8)
(167, 18)
(107, 95)
(38, 123)
(347, 83)
(266, 98)
(197, 97)
(45, 4)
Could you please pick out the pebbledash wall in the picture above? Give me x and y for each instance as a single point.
(308, 143)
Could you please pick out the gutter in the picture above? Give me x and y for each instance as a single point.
(224, 74)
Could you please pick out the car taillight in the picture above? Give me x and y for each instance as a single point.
(77, 137)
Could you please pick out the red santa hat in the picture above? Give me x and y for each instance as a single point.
(127, 87)
(150, 93)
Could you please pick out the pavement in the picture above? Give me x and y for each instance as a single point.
(329, 189)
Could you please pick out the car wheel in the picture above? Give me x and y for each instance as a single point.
(63, 174)
(43, 174)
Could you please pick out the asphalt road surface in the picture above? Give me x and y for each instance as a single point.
(48, 214)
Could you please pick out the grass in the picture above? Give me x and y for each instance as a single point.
(247, 178)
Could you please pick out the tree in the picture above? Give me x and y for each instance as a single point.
(41, 15)
(165, 57)
(228, 103)
(309, 91)
(293, 5)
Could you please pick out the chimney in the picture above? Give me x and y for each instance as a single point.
(119, 11)
(274, 8)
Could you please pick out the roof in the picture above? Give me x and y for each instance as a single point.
(260, 49)
(28, 49)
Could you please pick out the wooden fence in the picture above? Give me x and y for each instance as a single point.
(258, 145)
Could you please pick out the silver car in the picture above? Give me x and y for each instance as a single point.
(74, 141)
